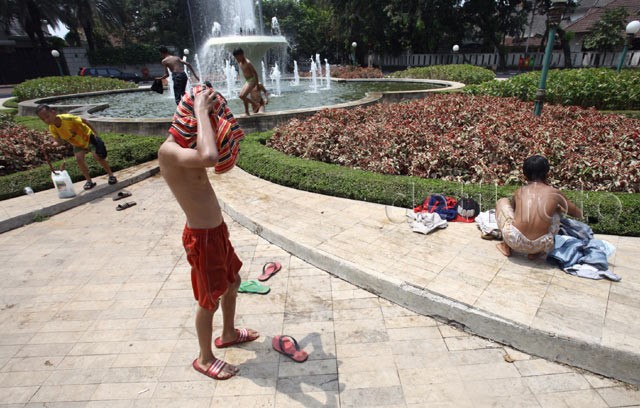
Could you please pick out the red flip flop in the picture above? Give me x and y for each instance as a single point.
(268, 270)
(242, 337)
(288, 346)
(214, 369)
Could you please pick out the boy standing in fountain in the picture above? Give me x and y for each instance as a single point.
(175, 65)
(205, 134)
(251, 78)
(530, 219)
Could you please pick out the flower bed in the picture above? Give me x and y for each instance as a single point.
(473, 139)
(22, 148)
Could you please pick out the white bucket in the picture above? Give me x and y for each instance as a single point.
(63, 184)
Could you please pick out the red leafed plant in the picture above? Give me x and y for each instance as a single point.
(472, 139)
(22, 148)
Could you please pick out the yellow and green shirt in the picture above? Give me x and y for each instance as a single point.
(72, 130)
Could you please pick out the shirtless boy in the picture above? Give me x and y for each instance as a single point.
(531, 218)
(204, 134)
(251, 78)
(175, 65)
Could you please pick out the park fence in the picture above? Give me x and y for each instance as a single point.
(519, 61)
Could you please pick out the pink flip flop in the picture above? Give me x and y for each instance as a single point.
(288, 346)
(268, 270)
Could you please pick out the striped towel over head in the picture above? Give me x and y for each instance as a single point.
(184, 128)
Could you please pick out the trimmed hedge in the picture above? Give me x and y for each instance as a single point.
(607, 213)
(602, 88)
(467, 74)
(64, 85)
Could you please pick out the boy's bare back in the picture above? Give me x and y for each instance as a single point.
(535, 205)
(174, 63)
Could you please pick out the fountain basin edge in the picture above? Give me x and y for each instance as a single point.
(258, 122)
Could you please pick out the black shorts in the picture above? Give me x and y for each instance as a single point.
(101, 149)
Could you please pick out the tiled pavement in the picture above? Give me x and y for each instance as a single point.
(96, 310)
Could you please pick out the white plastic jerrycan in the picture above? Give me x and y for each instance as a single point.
(63, 184)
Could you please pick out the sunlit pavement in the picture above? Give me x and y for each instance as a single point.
(96, 309)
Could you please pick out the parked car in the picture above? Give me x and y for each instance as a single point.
(109, 72)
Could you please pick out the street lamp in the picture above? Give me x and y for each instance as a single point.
(185, 51)
(632, 28)
(554, 16)
(56, 56)
(353, 52)
(455, 49)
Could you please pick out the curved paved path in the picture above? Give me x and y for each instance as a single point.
(96, 309)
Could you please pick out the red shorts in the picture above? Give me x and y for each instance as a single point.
(214, 263)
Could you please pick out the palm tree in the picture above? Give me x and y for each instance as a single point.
(84, 13)
(30, 15)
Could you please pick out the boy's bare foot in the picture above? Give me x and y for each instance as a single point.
(216, 369)
(504, 249)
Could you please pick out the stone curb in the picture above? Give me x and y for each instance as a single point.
(596, 358)
(28, 218)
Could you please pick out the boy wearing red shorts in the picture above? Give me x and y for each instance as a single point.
(204, 134)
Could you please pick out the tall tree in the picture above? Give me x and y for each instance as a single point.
(30, 15)
(605, 34)
(86, 13)
(491, 20)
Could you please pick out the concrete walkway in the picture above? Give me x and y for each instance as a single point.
(96, 309)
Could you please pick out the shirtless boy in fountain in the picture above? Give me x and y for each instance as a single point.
(531, 218)
(251, 76)
(175, 65)
(193, 145)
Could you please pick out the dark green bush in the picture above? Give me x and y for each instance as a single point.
(607, 213)
(467, 74)
(131, 54)
(52, 86)
(601, 88)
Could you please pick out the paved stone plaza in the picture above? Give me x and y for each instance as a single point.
(97, 309)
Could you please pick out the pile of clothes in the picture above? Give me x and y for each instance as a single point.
(436, 210)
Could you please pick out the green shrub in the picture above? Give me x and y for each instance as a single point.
(601, 88)
(607, 213)
(52, 86)
(467, 74)
(131, 54)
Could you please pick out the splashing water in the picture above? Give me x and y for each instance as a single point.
(314, 77)
(296, 74)
(327, 70)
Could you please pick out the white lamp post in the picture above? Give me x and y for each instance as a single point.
(632, 29)
(353, 52)
(56, 56)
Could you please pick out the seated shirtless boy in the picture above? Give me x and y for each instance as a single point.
(205, 134)
(531, 218)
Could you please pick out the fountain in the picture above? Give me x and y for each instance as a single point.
(328, 72)
(235, 28)
(275, 77)
(296, 74)
(319, 67)
(314, 77)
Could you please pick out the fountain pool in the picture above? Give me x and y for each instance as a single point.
(153, 105)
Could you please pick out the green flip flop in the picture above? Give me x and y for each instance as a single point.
(252, 286)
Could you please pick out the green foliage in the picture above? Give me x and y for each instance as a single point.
(607, 213)
(605, 34)
(131, 54)
(52, 86)
(124, 151)
(601, 88)
(467, 74)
